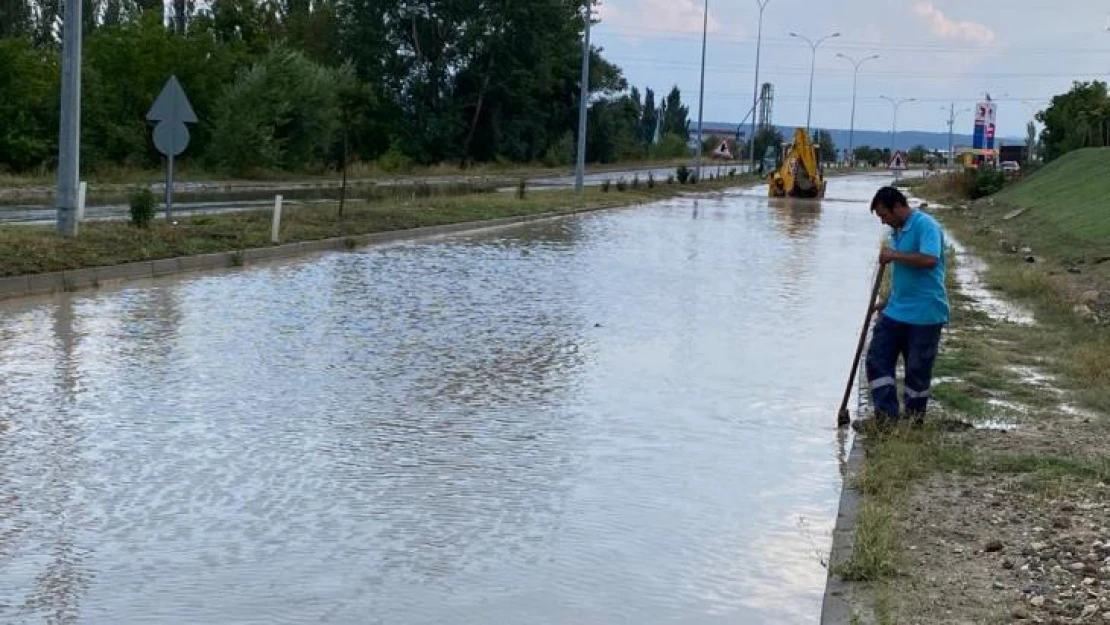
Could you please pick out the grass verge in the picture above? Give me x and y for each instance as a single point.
(982, 374)
(29, 250)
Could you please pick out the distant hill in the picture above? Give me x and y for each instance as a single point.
(903, 139)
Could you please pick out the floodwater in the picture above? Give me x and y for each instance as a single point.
(625, 417)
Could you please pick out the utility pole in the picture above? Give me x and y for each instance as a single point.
(583, 102)
(852, 131)
(69, 133)
(701, 94)
(894, 122)
(952, 113)
(755, 90)
(951, 122)
(812, 65)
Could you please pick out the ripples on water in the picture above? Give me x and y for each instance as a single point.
(625, 417)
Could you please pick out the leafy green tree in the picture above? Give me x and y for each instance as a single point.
(28, 106)
(917, 154)
(676, 116)
(283, 114)
(826, 147)
(1076, 119)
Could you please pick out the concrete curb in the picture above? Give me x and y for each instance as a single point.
(27, 285)
(836, 608)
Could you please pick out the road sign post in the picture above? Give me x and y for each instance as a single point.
(171, 110)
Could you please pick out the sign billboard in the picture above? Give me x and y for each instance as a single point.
(982, 137)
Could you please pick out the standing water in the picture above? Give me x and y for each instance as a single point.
(625, 417)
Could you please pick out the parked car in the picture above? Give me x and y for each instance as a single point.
(1010, 166)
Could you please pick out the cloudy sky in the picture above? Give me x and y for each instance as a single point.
(938, 51)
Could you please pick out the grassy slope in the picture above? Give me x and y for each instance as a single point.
(1067, 212)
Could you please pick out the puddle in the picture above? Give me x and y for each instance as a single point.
(1034, 377)
(996, 424)
(969, 271)
(1072, 410)
(1005, 404)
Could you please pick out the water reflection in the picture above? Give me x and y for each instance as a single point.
(622, 417)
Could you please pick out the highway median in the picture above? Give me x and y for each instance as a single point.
(34, 250)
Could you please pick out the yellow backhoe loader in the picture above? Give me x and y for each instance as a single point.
(799, 172)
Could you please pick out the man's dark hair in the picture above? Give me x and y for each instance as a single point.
(888, 198)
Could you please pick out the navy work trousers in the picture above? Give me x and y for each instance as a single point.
(917, 345)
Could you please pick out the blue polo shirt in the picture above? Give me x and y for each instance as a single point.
(918, 296)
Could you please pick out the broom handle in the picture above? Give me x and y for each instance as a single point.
(863, 336)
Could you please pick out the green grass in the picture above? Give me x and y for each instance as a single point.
(29, 250)
(1066, 212)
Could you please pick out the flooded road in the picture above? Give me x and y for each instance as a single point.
(627, 417)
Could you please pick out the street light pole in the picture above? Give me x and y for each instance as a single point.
(701, 94)
(894, 122)
(583, 102)
(952, 113)
(69, 133)
(812, 64)
(852, 130)
(755, 90)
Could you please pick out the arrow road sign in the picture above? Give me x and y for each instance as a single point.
(171, 110)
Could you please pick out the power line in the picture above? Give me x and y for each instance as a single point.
(855, 44)
(738, 68)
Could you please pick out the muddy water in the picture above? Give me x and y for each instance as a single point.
(627, 417)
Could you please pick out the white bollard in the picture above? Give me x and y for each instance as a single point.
(275, 236)
(81, 190)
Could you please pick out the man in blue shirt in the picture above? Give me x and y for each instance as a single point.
(910, 321)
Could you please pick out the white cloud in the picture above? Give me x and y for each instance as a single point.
(660, 16)
(945, 27)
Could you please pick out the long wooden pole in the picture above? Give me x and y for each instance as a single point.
(842, 416)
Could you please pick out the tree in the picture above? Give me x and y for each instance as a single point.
(1030, 139)
(1076, 119)
(676, 116)
(649, 119)
(15, 18)
(765, 138)
(283, 113)
(918, 154)
(826, 147)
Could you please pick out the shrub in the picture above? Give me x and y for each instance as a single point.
(143, 206)
(683, 173)
(521, 188)
(651, 180)
(621, 184)
(605, 186)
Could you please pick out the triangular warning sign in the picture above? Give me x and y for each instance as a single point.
(722, 150)
(898, 162)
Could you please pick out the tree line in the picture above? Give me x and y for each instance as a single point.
(308, 85)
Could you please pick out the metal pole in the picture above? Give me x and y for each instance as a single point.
(951, 122)
(852, 130)
(701, 94)
(69, 133)
(812, 65)
(755, 91)
(580, 168)
(809, 105)
(894, 121)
